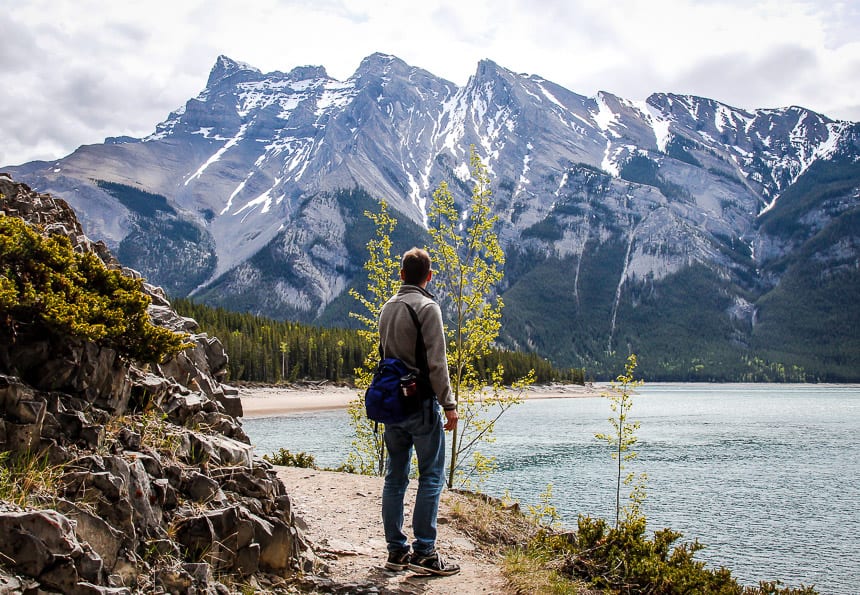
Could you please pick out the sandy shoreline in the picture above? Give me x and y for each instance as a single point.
(271, 401)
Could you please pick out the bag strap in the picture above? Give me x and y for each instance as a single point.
(420, 347)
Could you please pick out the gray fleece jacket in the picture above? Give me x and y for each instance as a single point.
(397, 334)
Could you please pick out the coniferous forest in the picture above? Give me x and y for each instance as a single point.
(275, 351)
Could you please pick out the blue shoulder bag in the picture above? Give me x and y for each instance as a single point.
(397, 390)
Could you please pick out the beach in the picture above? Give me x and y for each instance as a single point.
(273, 401)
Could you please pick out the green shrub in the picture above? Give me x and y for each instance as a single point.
(287, 459)
(45, 283)
(625, 560)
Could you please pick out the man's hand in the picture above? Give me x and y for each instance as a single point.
(451, 419)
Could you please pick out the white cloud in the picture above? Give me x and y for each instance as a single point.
(96, 68)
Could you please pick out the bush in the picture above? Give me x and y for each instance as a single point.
(45, 283)
(625, 560)
(285, 458)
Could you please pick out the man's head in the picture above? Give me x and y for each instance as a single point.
(415, 267)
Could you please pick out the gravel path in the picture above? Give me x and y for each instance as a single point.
(340, 515)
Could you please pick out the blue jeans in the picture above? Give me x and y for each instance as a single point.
(423, 430)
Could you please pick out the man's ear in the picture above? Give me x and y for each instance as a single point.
(429, 275)
(402, 275)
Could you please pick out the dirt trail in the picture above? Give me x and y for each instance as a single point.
(340, 515)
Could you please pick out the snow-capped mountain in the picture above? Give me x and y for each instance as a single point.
(251, 196)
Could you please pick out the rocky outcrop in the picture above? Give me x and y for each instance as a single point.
(154, 486)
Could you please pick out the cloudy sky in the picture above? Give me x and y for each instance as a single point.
(76, 72)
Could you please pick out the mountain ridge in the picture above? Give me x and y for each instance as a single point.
(252, 166)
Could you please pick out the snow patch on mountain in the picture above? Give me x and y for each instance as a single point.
(264, 199)
(235, 193)
(659, 124)
(605, 118)
(218, 154)
(551, 97)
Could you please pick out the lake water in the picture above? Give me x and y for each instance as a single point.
(766, 476)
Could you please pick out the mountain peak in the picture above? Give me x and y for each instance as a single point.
(487, 67)
(226, 66)
(380, 64)
(304, 73)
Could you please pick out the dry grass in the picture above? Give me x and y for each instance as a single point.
(28, 479)
(499, 528)
(489, 521)
(533, 574)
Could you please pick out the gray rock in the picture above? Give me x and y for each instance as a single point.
(199, 487)
(90, 565)
(12, 390)
(232, 404)
(146, 514)
(101, 536)
(151, 389)
(109, 494)
(216, 357)
(12, 584)
(213, 449)
(277, 543)
(21, 437)
(130, 439)
(200, 572)
(41, 544)
(151, 462)
(164, 493)
(181, 407)
(61, 574)
(163, 315)
(196, 535)
(93, 436)
(248, 559)
(26, 410)
(173, 580)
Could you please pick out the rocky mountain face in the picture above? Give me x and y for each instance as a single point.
(678, 227)
(155, 487)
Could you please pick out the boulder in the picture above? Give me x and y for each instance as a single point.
(216, 450)
(104, 539)
(145, 512)
(21, 437)
(96, 374)
(248, 559)
(276, 543)
(163, 315)
(150, 389)
(199, 487)
(42, 544)
(230, 400)
(12, 390)
(109, 494)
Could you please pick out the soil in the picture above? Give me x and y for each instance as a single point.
(340, 514)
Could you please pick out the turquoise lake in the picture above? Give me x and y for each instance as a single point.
(766, 476)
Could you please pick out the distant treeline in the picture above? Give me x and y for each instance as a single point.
(266, 350)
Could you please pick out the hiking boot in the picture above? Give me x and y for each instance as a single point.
(432, 564)
(398, 560)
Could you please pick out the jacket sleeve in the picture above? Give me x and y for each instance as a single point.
(437, 360)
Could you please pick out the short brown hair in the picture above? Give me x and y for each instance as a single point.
(415, 266)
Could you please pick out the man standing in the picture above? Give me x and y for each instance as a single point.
(422, 430)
